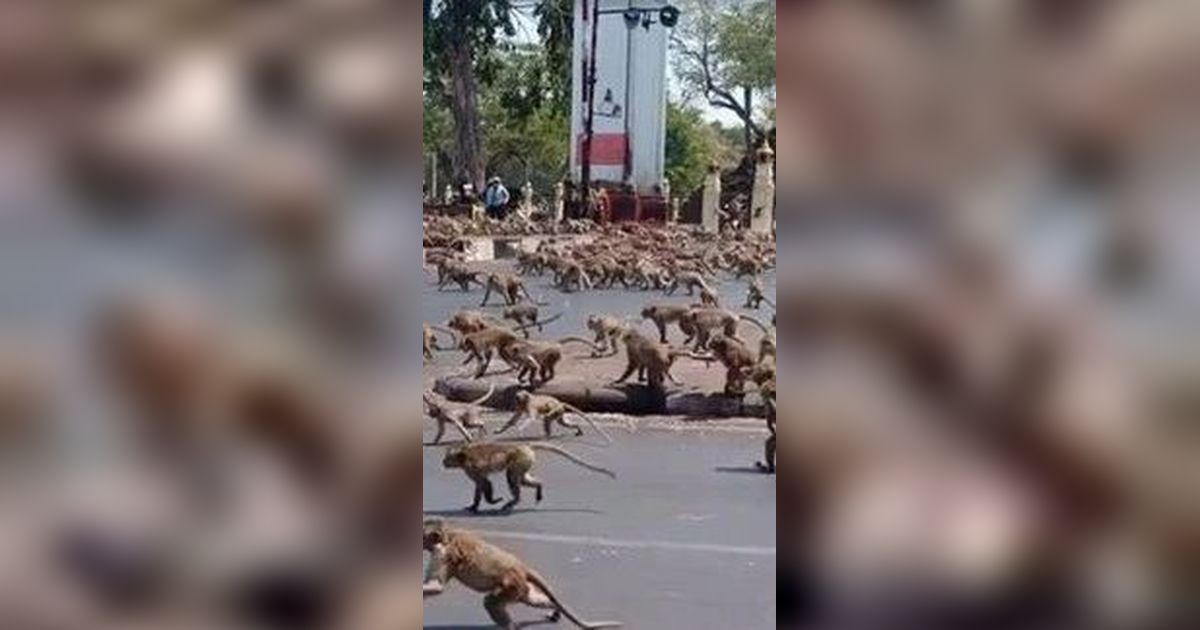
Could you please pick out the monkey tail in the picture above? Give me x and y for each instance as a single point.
(490, 391)
(588, 342)
(579, 412)
(553, 448)
(544, 586)
(530, 297)
(757, 322)
(541, 322)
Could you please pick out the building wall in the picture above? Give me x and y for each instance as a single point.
(630, 122)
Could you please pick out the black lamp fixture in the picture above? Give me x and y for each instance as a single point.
(668, 16)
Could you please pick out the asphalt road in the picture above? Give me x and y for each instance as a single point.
(683, 538)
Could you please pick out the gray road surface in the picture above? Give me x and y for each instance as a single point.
(684, 538)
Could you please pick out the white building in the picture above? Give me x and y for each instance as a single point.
(631, 97)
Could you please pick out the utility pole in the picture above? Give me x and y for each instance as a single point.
(589, 87)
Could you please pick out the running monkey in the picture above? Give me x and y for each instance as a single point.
(480, 460)
(548, 409)
(457, 554)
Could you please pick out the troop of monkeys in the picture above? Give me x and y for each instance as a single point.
(616, 256)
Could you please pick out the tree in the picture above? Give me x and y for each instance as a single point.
(691, 144)
(463, 46)
(458, 36)
(725, 54)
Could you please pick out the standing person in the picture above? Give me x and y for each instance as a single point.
(495, 199)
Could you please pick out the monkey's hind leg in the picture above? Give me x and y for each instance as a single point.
(496, 605)
(514, 487)
(529, 481)
(769, 465)
(562, 420)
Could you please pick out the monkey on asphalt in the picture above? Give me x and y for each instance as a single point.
(526, 313)
(690, 280)
(462, 416)
(548, 409)
(538, 360)
(651, 360)
(768, 393)
(509, 286)
(480, 460)
(755, 295)
(429, 339)
(482, 345)
(663, 314)
(607, 329)
(457, 554)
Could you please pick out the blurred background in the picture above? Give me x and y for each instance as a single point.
(208, 412)
(988, 226)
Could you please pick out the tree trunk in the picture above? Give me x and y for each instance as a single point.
(748, 124)
(468, 159)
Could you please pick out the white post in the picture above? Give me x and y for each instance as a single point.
(762, 200)
(448, 195)
(560, 200)
(711, 201)
(526, 207)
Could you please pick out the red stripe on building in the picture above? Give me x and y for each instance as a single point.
(608, 149)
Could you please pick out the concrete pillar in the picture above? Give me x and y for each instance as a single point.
(762, 200)
(526, 207)
(560, 200)
(710, 202)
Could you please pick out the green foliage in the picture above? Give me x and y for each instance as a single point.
(476, 25)
(691, 145)
(725, 56)
(525, 120)
(745, 44)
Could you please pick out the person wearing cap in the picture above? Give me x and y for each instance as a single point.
(495, 199)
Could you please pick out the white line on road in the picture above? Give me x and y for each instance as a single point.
(590, 541)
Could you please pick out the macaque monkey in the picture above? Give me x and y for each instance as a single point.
(691, 280)
(652, 361)
(429, 339)
(467, 322)
(482, 459)
(607, 330)
(755, 295)
(538, 359)
(456, 554)
(548, 409)
(443, 263)
(573, 274)
(663, 314)
(737, 359)
(510, 287)
(526, 316)
(462, 276)
(768, 463)
(702, 321)
(481, 346)
(461, 416)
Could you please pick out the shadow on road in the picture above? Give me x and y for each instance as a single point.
(522, 624)
(739, 470)
(463, 513)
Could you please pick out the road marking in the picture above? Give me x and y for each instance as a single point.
(590, 541)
